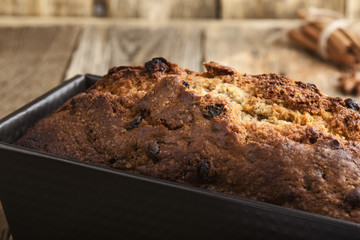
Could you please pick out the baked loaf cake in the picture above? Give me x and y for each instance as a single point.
(263, 137)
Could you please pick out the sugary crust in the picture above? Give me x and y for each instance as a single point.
(264, 137)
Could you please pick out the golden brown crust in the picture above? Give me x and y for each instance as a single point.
(264, 137)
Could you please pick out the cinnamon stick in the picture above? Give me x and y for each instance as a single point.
(339, 41)
(301, 39)
(354, 37)
(311, 31)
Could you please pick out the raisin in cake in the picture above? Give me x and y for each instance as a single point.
(263, 137)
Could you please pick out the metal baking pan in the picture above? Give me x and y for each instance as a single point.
(49, 197)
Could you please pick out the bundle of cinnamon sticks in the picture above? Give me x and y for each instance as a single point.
(342, 45)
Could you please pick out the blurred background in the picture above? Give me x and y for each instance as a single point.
(170, 9)
(44, 42)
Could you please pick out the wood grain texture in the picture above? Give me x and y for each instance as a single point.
(46, 7)
(162, 9)
(265, 48)
(274, 8)
(32, 61)
(102, 47)
(195, 9)
(148, 9)
(165, 9)
(65, 7)
(19, 7)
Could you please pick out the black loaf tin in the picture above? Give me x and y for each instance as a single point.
(49, 197)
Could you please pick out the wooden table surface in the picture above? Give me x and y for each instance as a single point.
(37, 54)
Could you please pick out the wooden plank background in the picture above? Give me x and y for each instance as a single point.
(164, 9)
(32, 61)
(275, 8)
(110, 46)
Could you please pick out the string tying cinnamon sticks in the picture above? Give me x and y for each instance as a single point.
(328, 35)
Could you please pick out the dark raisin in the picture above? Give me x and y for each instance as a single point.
(286, 196)
(72, 106)
(154, 150)
(335, 144)
(157, 65)
(134, 123)
(313, 139)
(353, 197)
(73, 102)
(203, 170)
(312, 135)
(308, 182)
(261, 117)
(313, 87)
(112, 161)
(352, 104)
(186, 84)
(301, 84)
(213, 111)
(91, 136)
